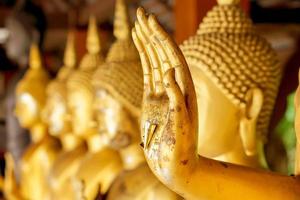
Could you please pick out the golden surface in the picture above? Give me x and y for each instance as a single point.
(236, 75)
(139, 184)
(228, 2)
(101, 166)
(10, 186)
(234, 108)
(57, 114)
(39, 156)
(98, 159)
(93, 57)
(77, 101)
(118, 89)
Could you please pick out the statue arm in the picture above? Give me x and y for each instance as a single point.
(169, 129)
(217, 180)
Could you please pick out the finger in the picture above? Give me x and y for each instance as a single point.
(158, 46)
(172, 89)
(143, 21)
(173, 53)
(169, 46)
(156, 67)
(148, 85)
(154, 62)
(153, 40)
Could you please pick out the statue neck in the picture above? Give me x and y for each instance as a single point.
(38, 131)
(132, 156)
(70, 141)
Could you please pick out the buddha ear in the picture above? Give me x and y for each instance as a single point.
(250, 113)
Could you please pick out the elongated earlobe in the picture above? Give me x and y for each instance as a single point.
(248, 121)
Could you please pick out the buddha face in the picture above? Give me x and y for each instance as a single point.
(114, 120)
(81, 109)
(57, 115)
(218, 117)
(26, 110)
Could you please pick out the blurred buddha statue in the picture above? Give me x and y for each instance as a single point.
(56, 111)
(41, 153)
(119, 86)
(25, 24)
(80, 95)
(57, 116)
(236, 77)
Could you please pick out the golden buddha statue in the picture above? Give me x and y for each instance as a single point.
(57, 115)
(78, 99)
(118, 87)
(56, 111)
(236, 76)
(43, 150)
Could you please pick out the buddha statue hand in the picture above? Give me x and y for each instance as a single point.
(169, 130)
(169, 113)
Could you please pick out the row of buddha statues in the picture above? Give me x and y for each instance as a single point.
(152, 120)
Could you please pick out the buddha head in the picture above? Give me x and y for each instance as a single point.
(56, 112)
(80, 93)
(30, 92)
(119, 86)
(236, 75)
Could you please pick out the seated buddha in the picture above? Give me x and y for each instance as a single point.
(190, 126)
(78, 117)
(118, 96)
(41, 153)
(80, 95)
(56, 114)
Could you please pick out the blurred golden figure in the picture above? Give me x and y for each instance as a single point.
(101, 166)
(56, 111)
(57, 115)
(39, 156)
(236, 77)
(80, 98)
(118, 87)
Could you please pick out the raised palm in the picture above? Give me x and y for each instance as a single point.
(169, 113)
